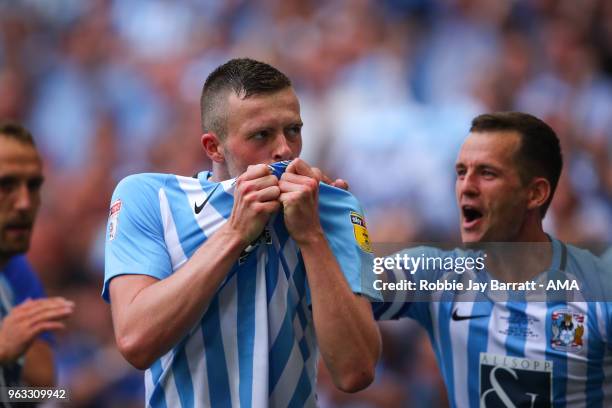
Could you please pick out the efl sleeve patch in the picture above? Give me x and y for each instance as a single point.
(113, 219)
(361, 232)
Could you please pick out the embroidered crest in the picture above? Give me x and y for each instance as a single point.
(567, 330)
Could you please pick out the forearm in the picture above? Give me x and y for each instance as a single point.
(4, 355)
(159, 315)
(347, 335)
(38, 369)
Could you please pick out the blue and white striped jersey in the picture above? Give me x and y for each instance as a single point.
(518, 353)
(255, 345)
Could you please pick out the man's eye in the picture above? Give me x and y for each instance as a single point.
(7, 184)
(488, 173)
(35, 184)
(294, 130)
(260, 135)
(460, 172)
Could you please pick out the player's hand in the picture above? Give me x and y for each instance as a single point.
(299, 189)
(339, 183)
(28, 320)
(255, 200)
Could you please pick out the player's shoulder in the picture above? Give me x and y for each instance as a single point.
(331, 191)
(138, 192)
(581, 259)
(143, 186)
(16, 262)
(594, 276)
(333, 196)
(20, 275)
(606, 258)
(144, 181)
(16, 269)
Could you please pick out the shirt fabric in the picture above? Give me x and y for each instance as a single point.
(255, 344)
(517, 352)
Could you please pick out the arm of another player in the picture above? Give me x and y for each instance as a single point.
(346, 332)
(19, 337)
(150, 316)
(39, 368)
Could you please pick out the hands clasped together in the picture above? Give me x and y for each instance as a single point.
(259, 194)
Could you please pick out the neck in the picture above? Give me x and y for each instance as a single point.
(219, 172)
(518, 261)
(531, 230)
(4, 260)
(524, 257)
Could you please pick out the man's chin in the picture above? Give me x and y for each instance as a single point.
(8, 251)
(472, 237)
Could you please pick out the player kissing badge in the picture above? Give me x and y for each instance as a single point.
(567, 330)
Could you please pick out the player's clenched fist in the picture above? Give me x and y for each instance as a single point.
(299, 189)
(29, 319)
(255, 200)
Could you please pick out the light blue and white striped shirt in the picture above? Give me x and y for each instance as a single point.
(548, 353)
(255, 345)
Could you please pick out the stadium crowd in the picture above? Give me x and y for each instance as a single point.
(388, 89)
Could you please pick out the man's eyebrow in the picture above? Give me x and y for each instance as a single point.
(479, 166)
(491, 165)
(13, 177)
(483, 166)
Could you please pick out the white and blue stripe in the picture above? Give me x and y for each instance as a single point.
(255, 345)
(579, 378)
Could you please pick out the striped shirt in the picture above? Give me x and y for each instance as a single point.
(255, 344)
(518, 353)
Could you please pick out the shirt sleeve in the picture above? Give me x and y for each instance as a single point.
(413, 303)
(344, 225)
(135, 243)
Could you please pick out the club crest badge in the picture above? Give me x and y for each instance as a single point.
(361, 232)
(567, 330)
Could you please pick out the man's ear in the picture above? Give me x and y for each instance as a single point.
(213, 147)
(539, 192)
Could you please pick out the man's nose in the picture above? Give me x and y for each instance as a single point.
(468, 184)
(282, 150)
(23, 199)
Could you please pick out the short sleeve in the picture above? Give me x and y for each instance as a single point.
(135, 243)
(344, 225)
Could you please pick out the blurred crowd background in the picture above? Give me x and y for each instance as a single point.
(387, 87)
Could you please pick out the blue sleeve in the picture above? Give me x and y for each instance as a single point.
(344, 225)
(135, 241)
(25, 285)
